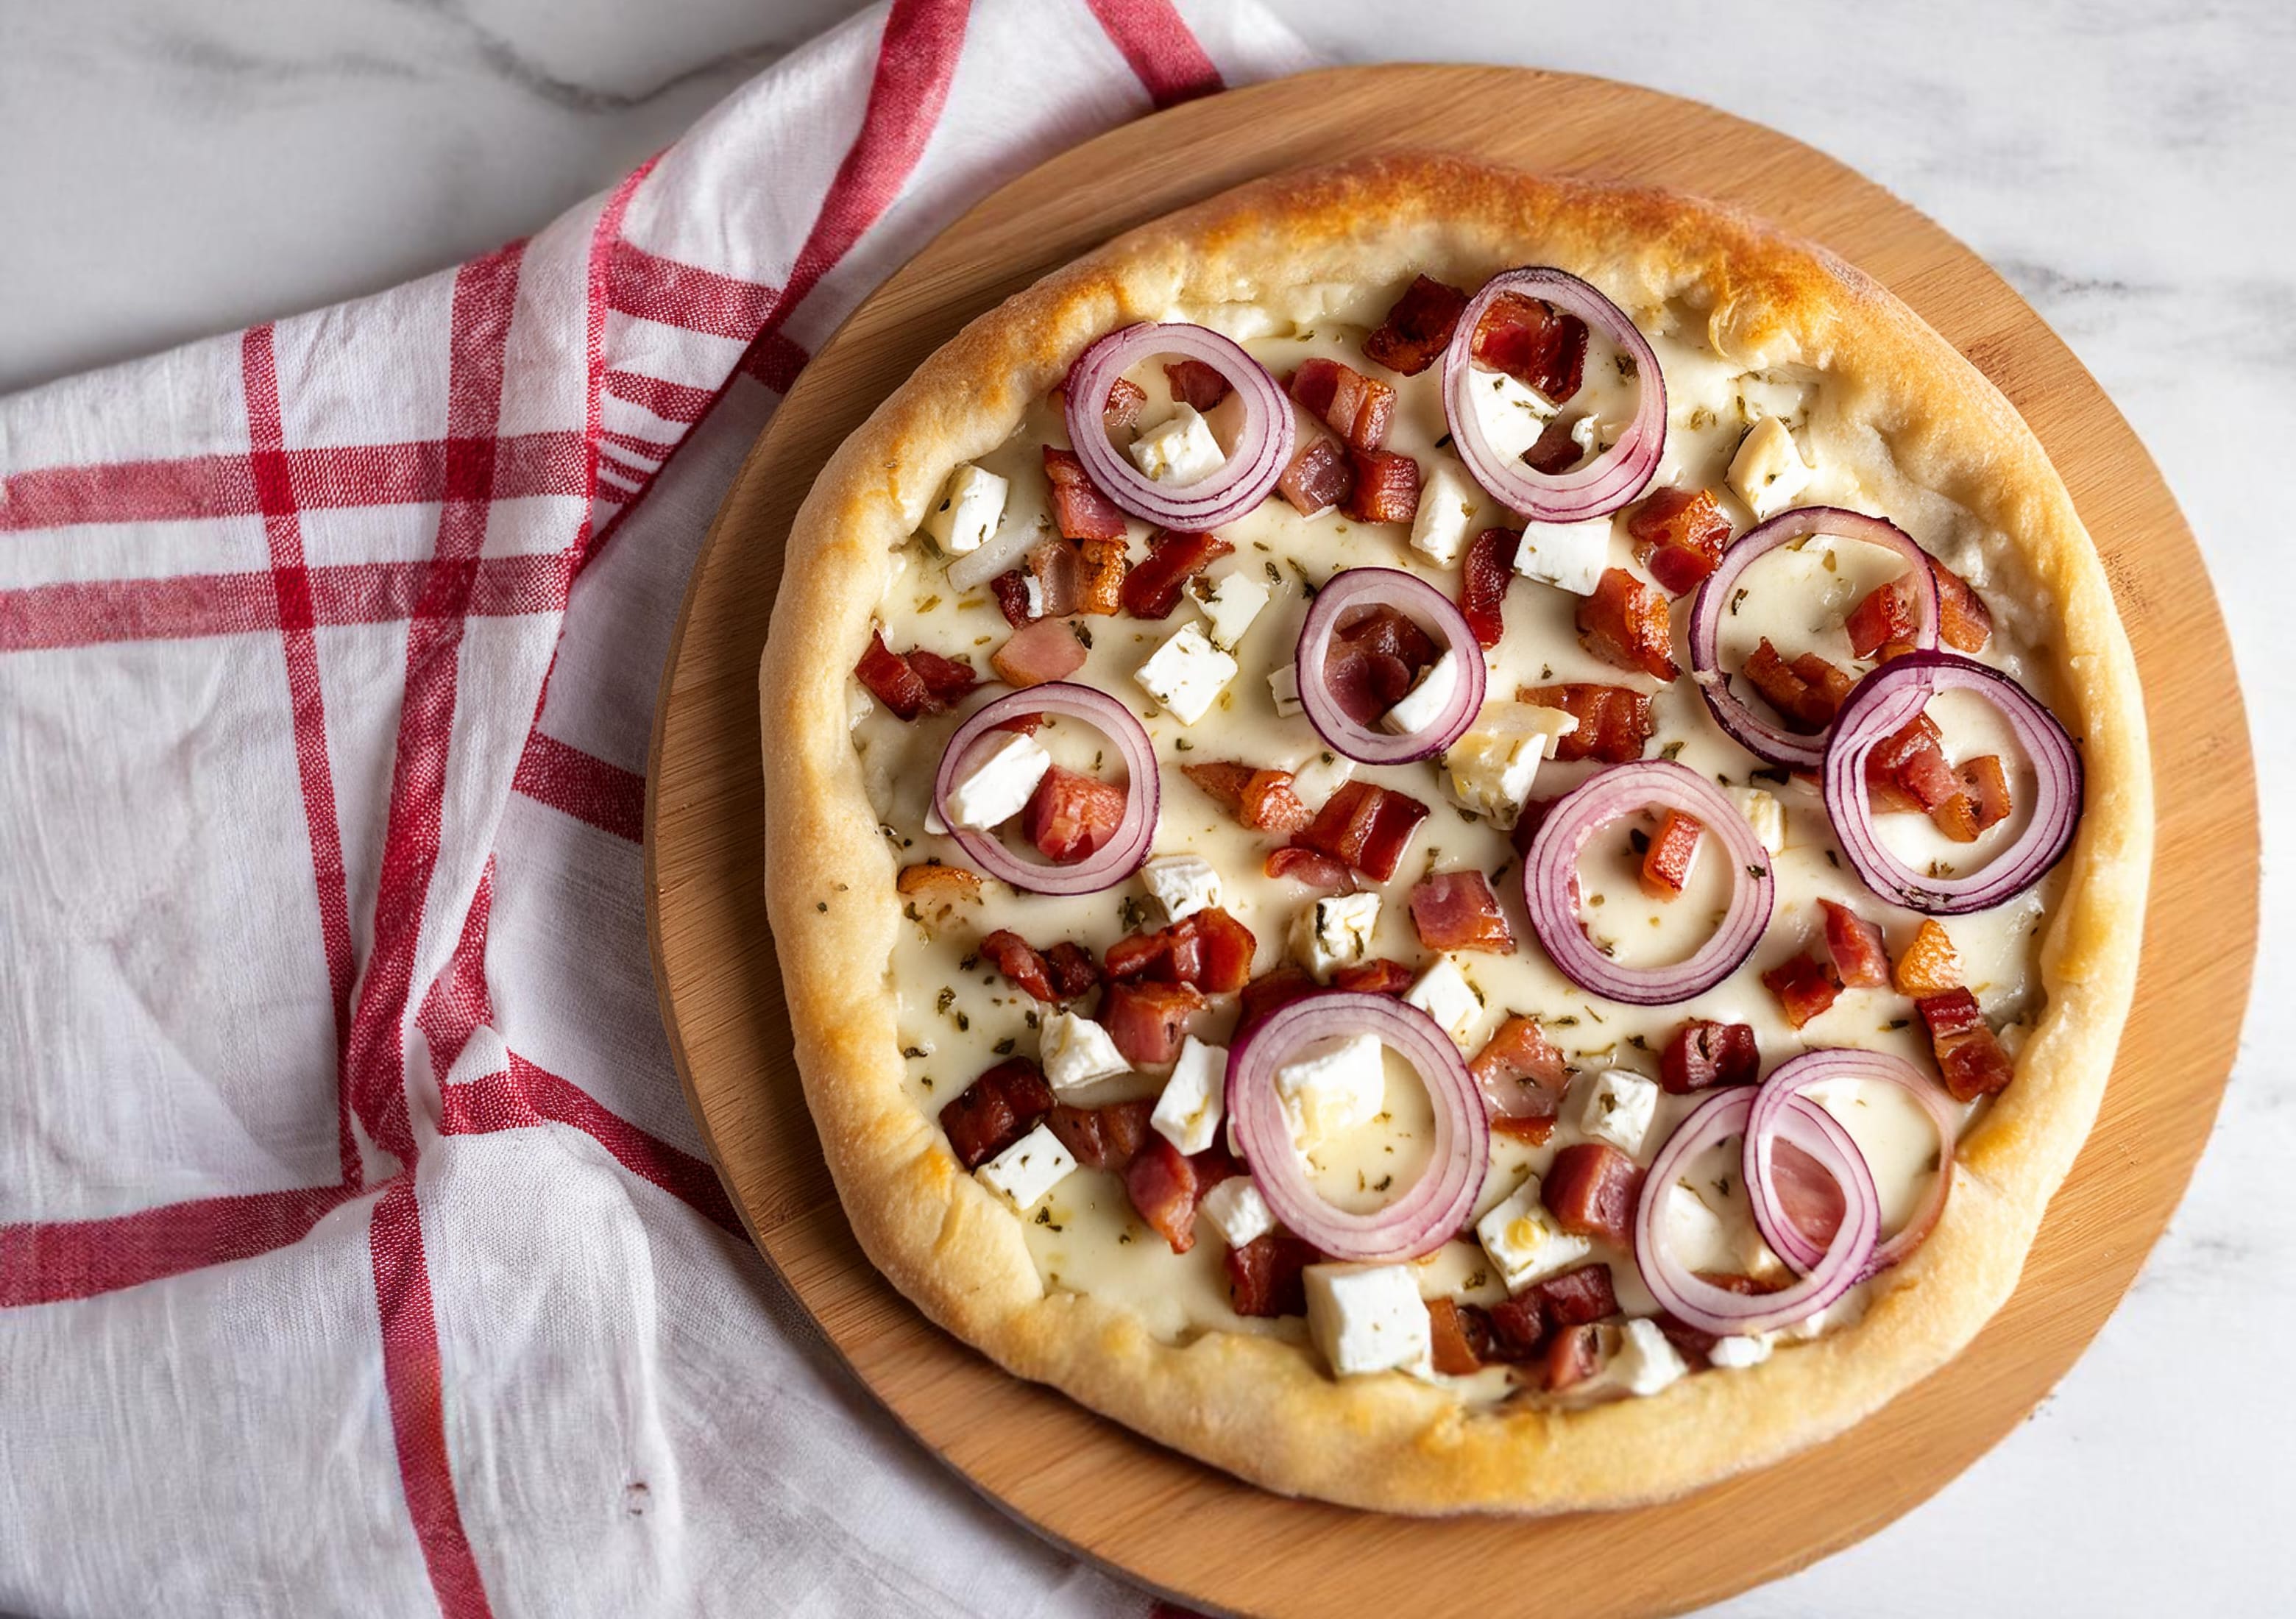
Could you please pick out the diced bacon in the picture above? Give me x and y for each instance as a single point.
(1162, 1184)
(1532, 1128)
(1011, 589)
(1124, 398)
(1968, 1055)
(1071, 968)
(1146, 1020)
(1695, 1344)
(890, 680)
(1418, 328)
(1527, 824)
(1625, 623)
(1964, 622)
(1574, 1297)
(1930, 965)
(1805, 987)
(1571, 1356)
(1153, 589)
(1908, 770)
(996, 1110)
(1451, 1355)
(1020, 962)
(1211, 950)
(1058, 569)
(1555, 450)
(1378, 976)
(1070, 814)
(1982, 804)
(1704, 1053)
(1590, 1189)
(1511, 1330)
(1806, 693)
(1375, 655)
(1367, 825)
(1100, 588)
(1484, 572)
(1023, 725)
(1261, 800)
(1883, 618)
(1263, 1276)
(1318, 479)
(1456, 911)
(1044, 650)
(1274, 989)
(947, 680)
(1079, 507)
(1101, 1137)
(1533, 343)
(1386, 486)
(933, 889)
(1614, 721)
(1808, 1194)
(1356, 407)
(1667, 862)
(1195, 384)
(1860, 959)
(1316, 870)
(1520, 1069)
(1678, 535)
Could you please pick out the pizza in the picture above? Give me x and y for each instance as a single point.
(1458, 842)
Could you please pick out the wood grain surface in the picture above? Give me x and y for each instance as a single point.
(1185, 1529)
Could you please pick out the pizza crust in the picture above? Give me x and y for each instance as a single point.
(1260, 1407)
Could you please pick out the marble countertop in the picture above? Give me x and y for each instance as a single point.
(172, 169)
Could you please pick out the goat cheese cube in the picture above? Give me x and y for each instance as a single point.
(1342, 1083)
(997, 781)
(1023, 1172)
(1740, 1351)
(1283, 685)
(1446, 519)
(1237, 1210)
(1331, 933)
(1421, 706)
(1767, 471)
(1182, 884)
(1186, 674)
(1075, 1052)
(1314, 781)
(1523, 1240)
(1188, 1114)
(1489, 770)
(1442, 992)
(1644, 1363)
(1618, 1107)
(972, 505)
(1179, 450)
(1764, 814)
(1230, 606)
(1569, 555)
(1512, 415)
(1368, 1318)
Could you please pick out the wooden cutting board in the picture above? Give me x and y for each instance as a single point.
(1181, 1528)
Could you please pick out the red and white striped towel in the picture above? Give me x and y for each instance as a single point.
(356, 1252)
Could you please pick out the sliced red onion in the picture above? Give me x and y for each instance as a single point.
(1886, 701)
(1683, 1294)
(1602, 485)
(1757, 736)
(1434, 1206)
(1424, 606)
(1114, 861)
(1550, 882)
(1263, 444)
(1780, 1098)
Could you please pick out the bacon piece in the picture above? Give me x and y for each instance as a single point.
(1318, 479)
(1614, 721)
(1058, 569)
(1079, 507)
(1195, 384)
(1146, 1020)
(1571, 1356)
(1625, 623)
(1263, 1276)
(1261, 800)
(1532, 1128)
(1164, 1187)
(1454, 1356)
(1100, 587)
(1695, 1344)
(1808, 1197)
(1883, 618)
(1071, 968)
(1020, 962)
(1386, 487)
(1520, 1069)
(1153, 589)
(1101, 1137)
(1070, 814)
(1276, 988)
(1316, 870)
(1211, 950)
(1378, 976)
(1930, 965)
(1375, 655)
(945, 679)
(1456, 911)
(1356, 407)
(1964, 622)
(996, 1110)
(1044, 650)
(1982, 803)
(1968, 1055)
(1532, 343)
(1484, 572)
(1368, 827)
(1908, 770)
(1555, 450)
(1807, 693)
(1678, 535)
(1667, 862)
(1511, 1330)
(1124, 398)
(1805, 987)
(1704, 1053)
(1418, 328)
(934, 889)
(1860, 959)
(1527, 823)
(1590, 1189)
(1574, 1297)
(1011, 589)
(891, 680)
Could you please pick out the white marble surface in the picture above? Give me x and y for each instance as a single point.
(169, 167)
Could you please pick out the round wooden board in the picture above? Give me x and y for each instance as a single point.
(1183, 1528)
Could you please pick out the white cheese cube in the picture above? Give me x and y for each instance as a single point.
(1314, 782)
(1368, 1318)
(1570, 556)
(997, 781)
(1342, 1084)
(1446, 519)
(1283, 685)
(1075, 1052)
(1443, 993)
(1188, 1114)
(1767, 471)
(1023, 1172)
(1524, 1242)
(1230, 606)
(1491, 769)
(972, 505)
(1591, 435)
(1237, 1210)
(1644, 1363)
(1179, 450)
(1437, 683)
(1330, 933)
(1182, 884)
(1618, 1107)
(1738, 1352)
(1512, 415)
(1764, 814)
(1186, 674)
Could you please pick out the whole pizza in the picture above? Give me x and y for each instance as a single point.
(1458, 842)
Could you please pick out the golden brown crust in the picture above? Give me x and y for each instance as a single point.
(1258, 1406)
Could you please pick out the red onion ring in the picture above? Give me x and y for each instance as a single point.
(1550, 882)
(1262, 446)
(1683, 1294)
(1751, 732)
(1436, 1204)
(1604, 484)
(1420, 601)
(1125, 848)
(1785, 1088)
(1886, 700)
